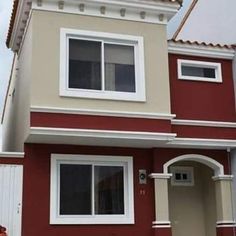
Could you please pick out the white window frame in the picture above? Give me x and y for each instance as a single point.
(201, 64)
(117, 39)
(182, 170)
(125, 161)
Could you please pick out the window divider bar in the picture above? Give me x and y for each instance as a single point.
(93, 192)
(103, 65)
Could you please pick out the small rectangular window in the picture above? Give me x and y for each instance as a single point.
(199, 71)
(91, 190)
(182, 175)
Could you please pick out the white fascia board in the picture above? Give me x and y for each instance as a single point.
(201, 51)
(92, 112)
(205, 123)
(102, 133)
(203, 143)
(12, 154)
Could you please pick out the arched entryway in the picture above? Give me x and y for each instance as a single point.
(192, 196)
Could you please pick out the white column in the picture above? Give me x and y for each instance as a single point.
(161, 200)
(224, 200)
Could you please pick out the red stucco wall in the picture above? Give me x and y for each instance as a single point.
(37, 189)
(199, 100)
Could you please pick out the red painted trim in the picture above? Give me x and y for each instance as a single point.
(162, 232)
(198, 100)
(58, 120)
(226, 231)
(204, 132)
(11, 161)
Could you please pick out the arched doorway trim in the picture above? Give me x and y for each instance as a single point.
(216, 166)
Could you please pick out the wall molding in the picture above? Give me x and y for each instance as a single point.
(92, 112)
(12, 154)
(206, 123)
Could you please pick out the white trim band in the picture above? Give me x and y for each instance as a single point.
(12, 154)
(206, 123)
(161, 224)
(159, 176)
(223, 177)
(146, 115)
(102, 133)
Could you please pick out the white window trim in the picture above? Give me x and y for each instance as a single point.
(136, 41)
(126, 161)
(175, 169)
(202, 64)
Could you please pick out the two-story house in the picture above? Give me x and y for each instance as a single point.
(115, 130)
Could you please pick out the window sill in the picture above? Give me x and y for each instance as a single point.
(106, 95)
(91, 220)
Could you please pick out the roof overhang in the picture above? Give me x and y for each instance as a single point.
(201, 49)
(108, 138)
(152, 11)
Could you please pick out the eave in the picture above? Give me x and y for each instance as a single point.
(201, 49)
(159, 11)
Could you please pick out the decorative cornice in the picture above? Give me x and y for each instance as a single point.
(203, 143)
(12, 154)
(200, 50)
(206, 123)
(158, 11)
(92, 112)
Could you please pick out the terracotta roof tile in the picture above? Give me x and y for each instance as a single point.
(12, 20)
(201, 43)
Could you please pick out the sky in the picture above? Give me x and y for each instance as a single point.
(5, 54)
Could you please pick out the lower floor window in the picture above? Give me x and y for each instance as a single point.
(91, 189)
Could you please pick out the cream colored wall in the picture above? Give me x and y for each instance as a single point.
(46, 49)
(193, 208)
(16, 119)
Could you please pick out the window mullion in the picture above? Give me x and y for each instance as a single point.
(103, 65)
(92, 190)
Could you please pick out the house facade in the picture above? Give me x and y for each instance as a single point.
(117, 131)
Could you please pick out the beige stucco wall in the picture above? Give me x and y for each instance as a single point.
(46, 62)
(193, 208)
(16, 118)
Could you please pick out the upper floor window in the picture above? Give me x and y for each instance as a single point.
(102, 65)
(199, 71)
(91, 189)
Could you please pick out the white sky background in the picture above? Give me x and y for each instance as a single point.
(5, 54)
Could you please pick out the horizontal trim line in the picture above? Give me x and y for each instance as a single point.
(204, 51)
(226, 226)
(163, 116)
(159, 176)
(206, 123)
(227, 143)
(12, 154)
(222, 177)
(102, 133)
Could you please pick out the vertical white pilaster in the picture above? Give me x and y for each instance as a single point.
(161, 200)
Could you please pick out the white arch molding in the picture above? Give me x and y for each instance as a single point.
(216, 166)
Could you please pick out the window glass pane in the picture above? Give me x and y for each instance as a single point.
(198, 71)
(109, 190)
(75, 189)
(119, 68)
(84, 64)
